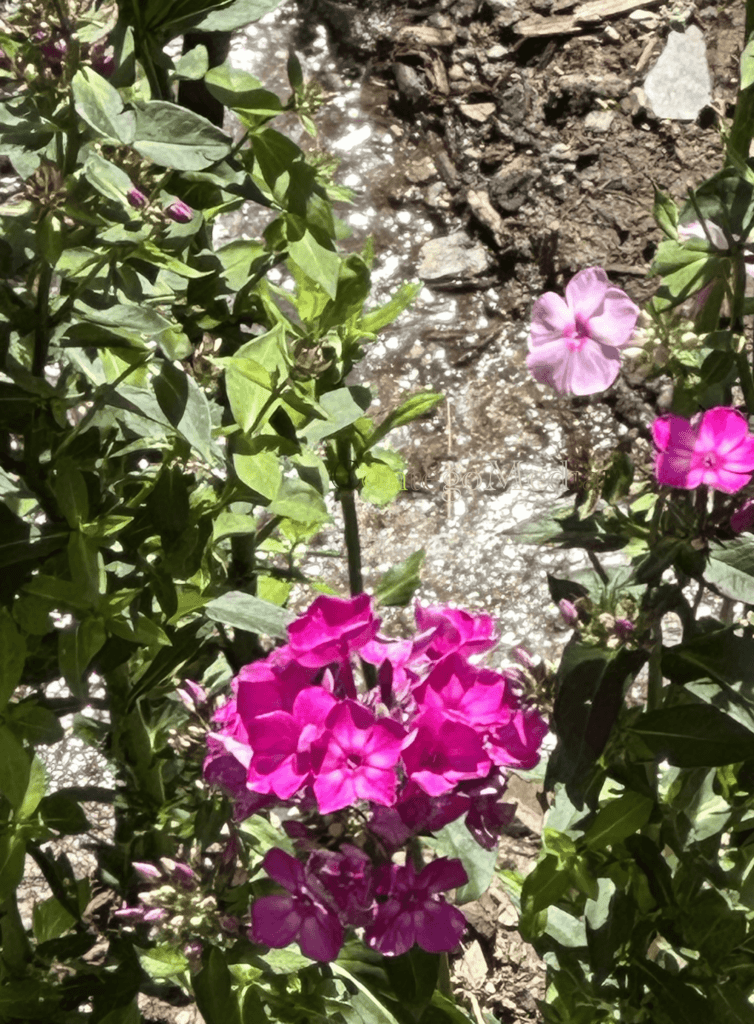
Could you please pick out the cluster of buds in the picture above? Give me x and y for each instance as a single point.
(61, 40)
(654, 345)
(535, 677)
(176, 210)
(178, 908)
(194, 735)
(604, 628)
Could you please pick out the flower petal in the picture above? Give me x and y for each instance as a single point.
(585, 292)
(615, 325)
(550, 316)
(721, 429)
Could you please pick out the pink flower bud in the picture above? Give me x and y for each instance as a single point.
(743, 518)
(179, 212)
(130, 913)
(147, 871)
(192, 695)
(523, 657)
(136, 198)
(568, 611)
(184, 874)
(157, 914)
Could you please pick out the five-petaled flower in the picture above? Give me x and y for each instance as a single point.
(714, 448)
(575, 343)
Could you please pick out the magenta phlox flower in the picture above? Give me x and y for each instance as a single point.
(281, 762)
(516, 745)
(743, 518)
(301, 916)
(346, 878)
(575, 343)
(713, 448)
(271, 685)
(414, 911)
(332, 629)
(440, 753)
(355, 758)
(478, 697)
(455, 630)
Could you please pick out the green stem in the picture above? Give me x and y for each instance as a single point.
(42, 328)
(740, 136)
(346, 496)
(654, 683)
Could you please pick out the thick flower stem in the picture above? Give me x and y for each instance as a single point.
(351, 527)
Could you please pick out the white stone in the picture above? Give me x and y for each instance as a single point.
(678, 86)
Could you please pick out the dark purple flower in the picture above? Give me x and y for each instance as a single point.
(301, 916)
(414, 911)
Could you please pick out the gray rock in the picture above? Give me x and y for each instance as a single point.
(454, 256)
(678, 86)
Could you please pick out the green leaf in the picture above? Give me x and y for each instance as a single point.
(676, 998)
(665, 212)
(15, 768)
(343, 407)
(142, 631)
(619, 819)
(694, 735)
(235, 15)
(213, 990)
(193, 65)
(248, 386)
(319, 263)
(400, 583)
(163, 961)
(375, 319)
(12, 657)
(378, 1012)
(186, 407)
(411, 409)
(242, 260)
(731, 567)
(50, 919)
(544, 885)
(35, 791)
(70, 490)
(113, 183)
(381, 481)
(747, 65)
(77, 646)
(33, 722)
(100, 105)
(243, 611)
(719, 655)
(299, 501)
(63, 814)
(260, 471)
(173, 136)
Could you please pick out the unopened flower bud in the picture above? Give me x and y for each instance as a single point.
(192, 695)
(148, 872)
(136, 198)
(523, 657)
(179, 211)
(158, 914)
(130, 913)
(184, 874)
(607, 620)
(624, 628)
(568, 611)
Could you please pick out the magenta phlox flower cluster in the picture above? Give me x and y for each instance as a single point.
(574, 343)
(429, 743)
(333, 888)
(714, 448)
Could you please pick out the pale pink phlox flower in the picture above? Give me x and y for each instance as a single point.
(713, 448)
(575, 343)
(414, 911)
(300, 916)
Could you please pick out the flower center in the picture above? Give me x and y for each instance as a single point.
(353, 760)
(710, 460)
(577, 334)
